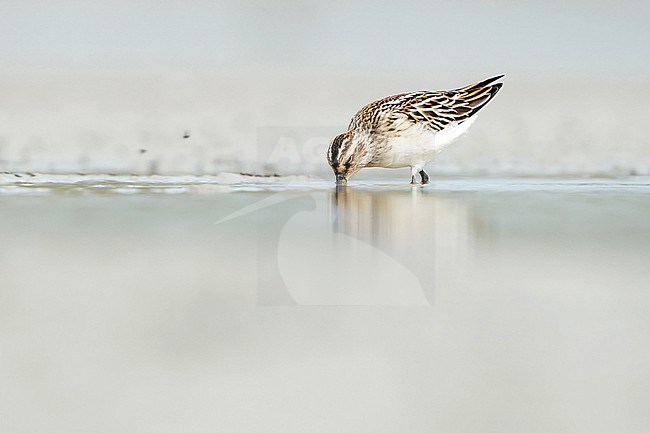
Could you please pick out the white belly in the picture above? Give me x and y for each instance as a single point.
(417, 146)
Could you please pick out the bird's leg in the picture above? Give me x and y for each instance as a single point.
(424, 176)
(413, 171)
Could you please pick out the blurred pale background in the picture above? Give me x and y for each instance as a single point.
(114, 86)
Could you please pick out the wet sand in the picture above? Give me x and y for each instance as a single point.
(231, 303)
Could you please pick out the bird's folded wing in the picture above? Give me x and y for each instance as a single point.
(438, 110)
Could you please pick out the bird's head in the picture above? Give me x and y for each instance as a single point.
(345, 155)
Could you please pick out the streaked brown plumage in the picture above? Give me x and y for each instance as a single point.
(408, 129)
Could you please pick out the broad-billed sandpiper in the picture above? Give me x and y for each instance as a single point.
(408, 129)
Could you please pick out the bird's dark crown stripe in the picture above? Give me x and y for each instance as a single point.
(336, 150)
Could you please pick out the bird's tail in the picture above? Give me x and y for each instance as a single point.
(477, 95)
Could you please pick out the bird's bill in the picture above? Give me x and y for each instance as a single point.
(341, 180)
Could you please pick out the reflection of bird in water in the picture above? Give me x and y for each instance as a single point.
(400, 221)
(426, 232)
(408, 129)
(392, 220)
(355, 247)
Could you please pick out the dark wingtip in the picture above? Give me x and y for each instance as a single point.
(481, 84)
(489, 81)
(491, 89)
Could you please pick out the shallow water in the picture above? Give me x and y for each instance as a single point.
(283, 304)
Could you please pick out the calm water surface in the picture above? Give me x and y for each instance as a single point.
(470, 305)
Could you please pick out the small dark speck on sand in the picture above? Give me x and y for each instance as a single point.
(143, 150)
(186, 134)
(260, 175)
(17, 175)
